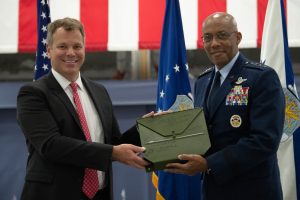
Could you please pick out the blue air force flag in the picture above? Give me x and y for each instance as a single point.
(174, 93)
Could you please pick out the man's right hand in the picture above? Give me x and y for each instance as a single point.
(129, 154)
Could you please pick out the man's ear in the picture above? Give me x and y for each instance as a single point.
(48, 51)
(239, 37)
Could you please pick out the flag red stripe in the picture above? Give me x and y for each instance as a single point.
(206, 8)
(94, 16)
(151, 15)
(27, 40)
(285, 11)
(261, 13)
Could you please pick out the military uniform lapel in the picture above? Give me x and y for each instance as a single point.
(206, 92)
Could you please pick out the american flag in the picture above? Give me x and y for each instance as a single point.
(174, 93)
(42, 65)
(130, 25)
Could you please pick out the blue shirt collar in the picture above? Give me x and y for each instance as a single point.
(226, 69)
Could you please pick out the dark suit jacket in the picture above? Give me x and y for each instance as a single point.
(58, 151)
(242, 157)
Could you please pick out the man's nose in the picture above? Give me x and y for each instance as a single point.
(215, 42)
(70, 51)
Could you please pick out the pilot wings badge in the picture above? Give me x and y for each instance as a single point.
(240, 80)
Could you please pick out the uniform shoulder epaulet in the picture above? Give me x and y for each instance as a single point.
(255, 65)
(206, 71)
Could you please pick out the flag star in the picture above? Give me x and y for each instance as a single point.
(176, 68)
(167, 77)
(162, 94)
(187, 67)
(44, 54)
(159, 110)
(44, 28)
(44, 41)
(42, 65)
(45, 67)
(35, 68)
(43, 15)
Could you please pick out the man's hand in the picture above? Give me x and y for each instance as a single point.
(128, 154)
(195, 163)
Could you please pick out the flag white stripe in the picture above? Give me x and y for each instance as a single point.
(293, 17)
(123, 25)
(64, 8)
(9, 26)
(245, 13)
(189, 15)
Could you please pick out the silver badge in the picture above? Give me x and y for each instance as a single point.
(240, 80)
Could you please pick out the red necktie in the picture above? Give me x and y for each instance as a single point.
(90, 181)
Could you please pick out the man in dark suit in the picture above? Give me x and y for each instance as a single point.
(70, 128)
(244, 107)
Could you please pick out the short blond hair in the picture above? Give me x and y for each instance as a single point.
(69, 24)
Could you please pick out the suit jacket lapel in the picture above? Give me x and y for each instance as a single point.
(227, 85)
(97, 100)
(60, 93)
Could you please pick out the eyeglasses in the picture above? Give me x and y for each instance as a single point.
(222, 35)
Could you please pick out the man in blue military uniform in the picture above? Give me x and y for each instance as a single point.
(244, 107)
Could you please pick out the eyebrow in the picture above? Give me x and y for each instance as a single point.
(218, 32)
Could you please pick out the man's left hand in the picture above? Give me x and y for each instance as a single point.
(195, 164)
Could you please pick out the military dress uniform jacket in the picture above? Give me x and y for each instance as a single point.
(245, 126)
(58, 151)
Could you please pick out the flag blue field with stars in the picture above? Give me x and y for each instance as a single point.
(275, 53)
(42, 63)
(174, 92)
